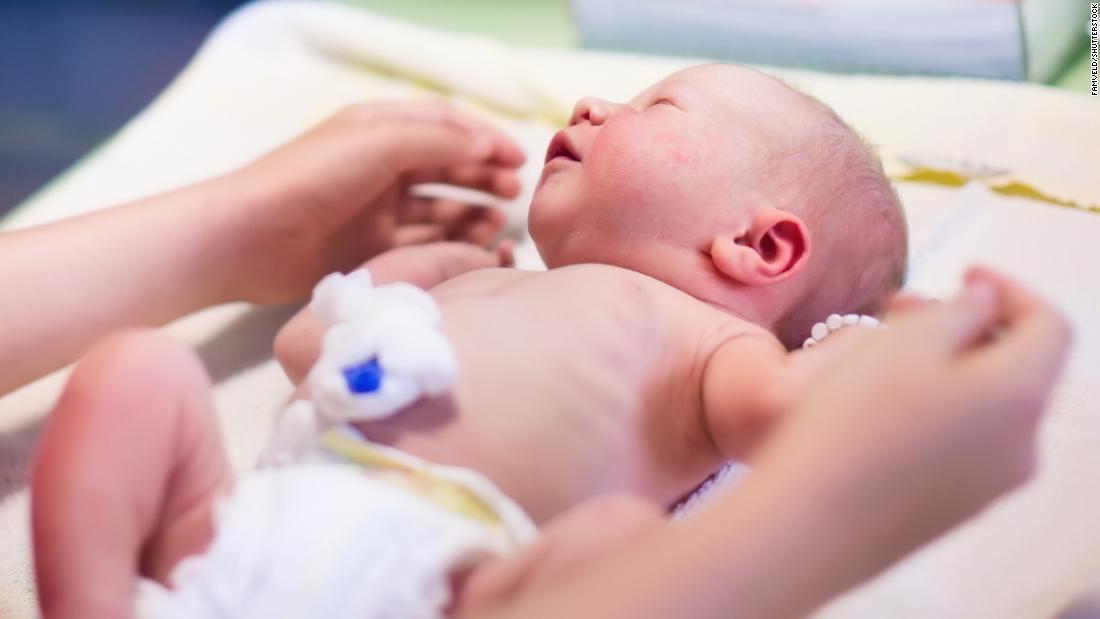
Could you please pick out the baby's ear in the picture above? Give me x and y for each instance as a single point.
(774, 247)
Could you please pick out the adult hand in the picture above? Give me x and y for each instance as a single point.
(267, 233)
(931, 419)
(340, 193)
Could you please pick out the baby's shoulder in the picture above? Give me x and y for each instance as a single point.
(728, 330)
(731, 326)
(479, 281)
(669, 303)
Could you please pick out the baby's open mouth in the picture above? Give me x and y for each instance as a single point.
(561, 146)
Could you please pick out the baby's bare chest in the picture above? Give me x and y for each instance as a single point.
(587, 317)
(590, 365)
(592, 351)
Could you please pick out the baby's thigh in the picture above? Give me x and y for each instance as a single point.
(144, 397)
(131, 450)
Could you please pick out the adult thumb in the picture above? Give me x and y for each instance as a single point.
(956, 324)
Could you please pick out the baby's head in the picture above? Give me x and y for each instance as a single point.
(731, 186)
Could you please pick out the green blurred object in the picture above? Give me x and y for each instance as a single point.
(530, 23)
(549, 23)
(1076, 76)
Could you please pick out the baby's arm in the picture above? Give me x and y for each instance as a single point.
(124, 479)
(298, 343)
(741, 393)
(751, 380)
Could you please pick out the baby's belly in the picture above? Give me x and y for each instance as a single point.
(550, 425)
(543, 452)
(544, 475)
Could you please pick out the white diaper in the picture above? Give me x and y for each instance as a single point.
(361, 531)
(336, 526)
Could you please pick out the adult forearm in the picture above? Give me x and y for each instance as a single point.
(771, 549)
(145, 263)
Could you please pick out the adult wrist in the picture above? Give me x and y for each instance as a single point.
(226, 238)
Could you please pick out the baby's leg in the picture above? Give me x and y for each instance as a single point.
(587, 532)
(125, 477)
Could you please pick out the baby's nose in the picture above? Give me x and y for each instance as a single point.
(591, 109)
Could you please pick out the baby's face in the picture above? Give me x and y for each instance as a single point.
(667, 169)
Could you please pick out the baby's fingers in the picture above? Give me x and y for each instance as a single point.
(479, 225)
(505, 252)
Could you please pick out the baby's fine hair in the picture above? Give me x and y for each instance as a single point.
(858, 228)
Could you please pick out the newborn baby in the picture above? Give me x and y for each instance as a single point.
(692, 237)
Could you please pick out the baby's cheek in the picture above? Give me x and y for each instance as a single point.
(639, 166)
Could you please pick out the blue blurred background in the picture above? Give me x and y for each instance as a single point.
(72, 72)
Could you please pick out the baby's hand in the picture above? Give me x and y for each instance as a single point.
(339, 194)
(298, 344)
(431, 264)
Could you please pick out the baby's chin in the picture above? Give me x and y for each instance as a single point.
(556, 244)
(550, 217)
(564, 235)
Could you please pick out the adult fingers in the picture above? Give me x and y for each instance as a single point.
(502, 150)
(424, 209)
(505, 151)
(954, 325)
(906, 301)
(453, 221)
(478, 225)
(451, 214)
(409, 146)
(416, 234)
(1034, 336)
